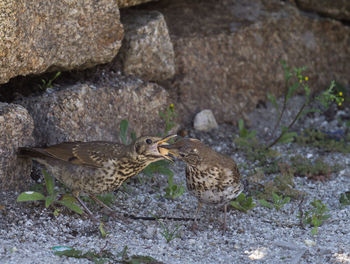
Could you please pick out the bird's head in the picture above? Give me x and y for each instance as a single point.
(186, 149)
(151, 148)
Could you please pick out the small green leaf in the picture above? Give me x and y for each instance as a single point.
(72, 206)
(243, 203)
(291, 90)
(30, 196)
(240, 198)
(102, 230)
(49, 182)
(50, 199)
(273, 100)
(265, 203)
(276, 197)
(241, 128)
(107, 198)
(137, 259)
(288, 137)
(345, 198)
(165, 171)
(171, 180)
(124, 131)
(133, 136)
(74, 253)
(286, 200)
(56, 212)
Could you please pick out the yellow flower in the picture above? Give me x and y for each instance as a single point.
(339, 104)
(171, 105)
(340, 94)
(306, 78)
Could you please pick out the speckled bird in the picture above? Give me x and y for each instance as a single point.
(97, 167)
(210, 176)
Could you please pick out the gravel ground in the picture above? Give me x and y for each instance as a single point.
(28, 232)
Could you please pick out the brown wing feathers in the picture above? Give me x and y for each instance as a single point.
(68, 152)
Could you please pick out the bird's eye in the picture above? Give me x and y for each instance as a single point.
(149, 141)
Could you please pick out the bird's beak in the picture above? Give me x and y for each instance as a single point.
(170, 149)
(161, 144)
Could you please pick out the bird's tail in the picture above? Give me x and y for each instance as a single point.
(27, 152)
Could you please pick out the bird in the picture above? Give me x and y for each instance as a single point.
(97, 167)
(213, 178)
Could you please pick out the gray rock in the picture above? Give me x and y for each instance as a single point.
(16, 127)
(38, 35)
(228, 52)
(86, 112)
(205, 121)
(147, 51)
(338, 9)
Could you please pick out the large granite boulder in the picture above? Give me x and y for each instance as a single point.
(338, 9)
(147, 51)
(16, 127)
(39, 35)
(87, 112)
(228, 53)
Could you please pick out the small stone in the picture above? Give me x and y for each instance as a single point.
(191, 241)
(309, 242)
(205, 121)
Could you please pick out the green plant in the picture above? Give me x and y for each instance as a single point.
(104, 256)
(107, 198)
(277, 201)
(283, 183)
(173, 191)
(318, 139)
(255, 151)
(330, 95)
(296, 81)
(169, 117)
(317, 170)
(250, 145)
(161, 167)
(243, 132)
(123, 133)
(243, 203)
(51, 197)
(48, 84)
(168, 234)
(316, 216)
(102, 230)
(344, 198)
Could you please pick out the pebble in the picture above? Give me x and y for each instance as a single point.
(205, 121)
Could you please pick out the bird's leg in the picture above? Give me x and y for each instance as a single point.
(195, 223)
(89, 213)
(93, 197)
(112, 213)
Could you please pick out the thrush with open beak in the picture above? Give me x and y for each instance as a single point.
(210, 176)
(97, 167)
